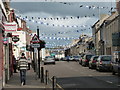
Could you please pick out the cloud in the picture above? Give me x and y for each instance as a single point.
(60, 10)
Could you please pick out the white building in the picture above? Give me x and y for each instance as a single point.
(19, 46)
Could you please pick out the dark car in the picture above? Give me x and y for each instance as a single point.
(92, 62)
(104, 63)
(116, 63)
(86, 59)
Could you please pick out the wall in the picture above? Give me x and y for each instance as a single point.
(1, 57)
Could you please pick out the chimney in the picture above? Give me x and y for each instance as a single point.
(113, 12)
(118, 6)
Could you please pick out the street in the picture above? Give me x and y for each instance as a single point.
(62, 41)
(73, 75)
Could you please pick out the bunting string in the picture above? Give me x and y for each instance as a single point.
(89, 6)
(57, 17)
(54, 25)
(58, 38)
(76, 31)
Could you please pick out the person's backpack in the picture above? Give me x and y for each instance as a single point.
(23, 64)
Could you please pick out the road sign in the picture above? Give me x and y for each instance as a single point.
(35, 39)
(35, 45)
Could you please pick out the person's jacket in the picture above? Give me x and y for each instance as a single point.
(23, 64)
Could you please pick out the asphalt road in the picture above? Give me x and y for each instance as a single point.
(73, 75)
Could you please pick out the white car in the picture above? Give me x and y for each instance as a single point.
(49, 60)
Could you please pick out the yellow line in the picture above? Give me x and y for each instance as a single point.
(57, 84)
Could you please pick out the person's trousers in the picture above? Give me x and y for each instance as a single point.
(28, 66)
(23, 76)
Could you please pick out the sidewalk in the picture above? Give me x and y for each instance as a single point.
(31, 82)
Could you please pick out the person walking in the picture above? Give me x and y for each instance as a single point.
(23, 66)
(29, 63)
(14, 64)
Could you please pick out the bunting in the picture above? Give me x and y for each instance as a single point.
(57, 17)
(54, 25)
(75, 31)
(57, 38)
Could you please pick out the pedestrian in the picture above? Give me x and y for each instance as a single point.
(14, 64)
(29, 63)
(67, 58)
(23, 66)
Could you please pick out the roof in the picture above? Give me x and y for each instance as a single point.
(111, 18)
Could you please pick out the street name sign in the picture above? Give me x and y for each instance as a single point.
(35, 45)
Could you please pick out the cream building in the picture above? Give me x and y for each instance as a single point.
(106, 42)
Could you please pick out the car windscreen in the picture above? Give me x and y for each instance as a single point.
(88, 56)
(106, 58)
(95, 58)
(76, 56)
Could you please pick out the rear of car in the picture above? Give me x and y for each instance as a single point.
(86, 59)
(80, 60)
(76, 58)
(49, 60)
(92, 62)
(104, 63)
(116, 63)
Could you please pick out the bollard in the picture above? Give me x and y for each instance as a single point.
(42, 75)
(46, 77)
(53, 82)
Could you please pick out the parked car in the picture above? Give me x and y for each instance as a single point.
(80, 60)
(92, 62)
(86, 59)
(66, 58)
(57, 59)
(71, 58)
(49, 60)
(116, 63)
(76, 58)
(104, 62)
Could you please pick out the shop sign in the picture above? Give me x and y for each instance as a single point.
(15, 39)
(5, 40)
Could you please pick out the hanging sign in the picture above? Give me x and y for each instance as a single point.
(5, 40)
(15, 39)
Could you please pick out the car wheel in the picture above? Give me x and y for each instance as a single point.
(89, 66)
(113, 72)
(97, 68)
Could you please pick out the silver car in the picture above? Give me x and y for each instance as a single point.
(104, 63)
(49, 60)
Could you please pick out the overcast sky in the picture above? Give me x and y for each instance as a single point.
(50, 32)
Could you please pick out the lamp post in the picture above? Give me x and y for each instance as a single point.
(38, 54)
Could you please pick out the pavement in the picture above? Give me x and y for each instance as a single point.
(0, 84)
(31, 82)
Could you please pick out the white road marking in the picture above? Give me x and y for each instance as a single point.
(109, 82)
(90, 75)
(118, 85)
